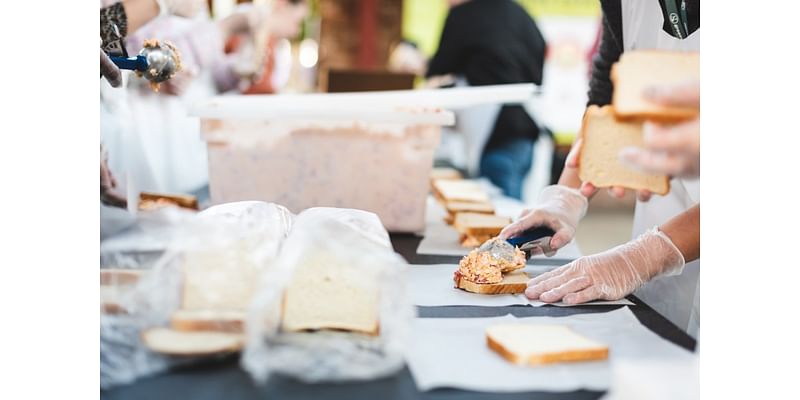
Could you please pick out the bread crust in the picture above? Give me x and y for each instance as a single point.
(541, 359)
(646, 110)
(512, 283)
(184, 324)
(233, 343)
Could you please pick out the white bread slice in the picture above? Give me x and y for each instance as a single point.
(455, 207)
(114, 284)
(171, 342)
(445, 173)
(219, 278)
(459, 190)
(603, 138)
(475, 224)
(209, 320)
(542, 344)
(117, 276)
(327, 293)
(512, 283)
(637, 70)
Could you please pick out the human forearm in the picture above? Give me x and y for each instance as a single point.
(684, 231)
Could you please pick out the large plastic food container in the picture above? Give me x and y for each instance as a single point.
(369, 151)
(376, 159)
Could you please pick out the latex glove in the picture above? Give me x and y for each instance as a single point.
(560, 209)
(610, 275)
(109, 70)
(587, 188)
(182, 8)
(671, 149)
(107, 184)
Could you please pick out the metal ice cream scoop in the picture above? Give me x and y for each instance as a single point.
(532, 241)
(157, 63)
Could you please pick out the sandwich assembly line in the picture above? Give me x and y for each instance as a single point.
(339, 217)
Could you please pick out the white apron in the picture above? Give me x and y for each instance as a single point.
(676, 297)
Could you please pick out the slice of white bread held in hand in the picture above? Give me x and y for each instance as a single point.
(176, 343)
(637, 70)
(603, 138)
(209, 320)
(529, 344)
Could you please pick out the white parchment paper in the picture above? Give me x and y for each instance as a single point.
(432, 285)
(452, 352)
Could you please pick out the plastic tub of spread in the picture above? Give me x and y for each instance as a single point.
(371, 151)
(321, 153)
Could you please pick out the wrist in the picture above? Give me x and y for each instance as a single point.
(662, 256)
(565, 198)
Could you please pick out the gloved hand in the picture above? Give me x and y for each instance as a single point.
(182, 8)
(669, 149)
(560, 209)
(610, 275)
(109, 70)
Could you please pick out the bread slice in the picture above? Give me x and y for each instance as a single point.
(326, 293)
(209, 320)
(445, 173)
(637, 70)
(475, 224)
(459, 190)
(175, 343)
(455, 207)
(114, 284)
(219, 278)
(603, 138)
(512, 283)
(150, 201)
(115, 276)
(542, 344)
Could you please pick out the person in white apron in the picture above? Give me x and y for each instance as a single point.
(653, 262)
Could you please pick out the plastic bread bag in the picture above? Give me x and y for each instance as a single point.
(334, 307)
(145, 239)
(206, 276)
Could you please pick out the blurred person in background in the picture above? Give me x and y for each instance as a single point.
(490, 42)
(661, 264)
(269, 68)
(116, 20)
(157, 144)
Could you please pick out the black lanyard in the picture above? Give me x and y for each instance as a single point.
(678, 20)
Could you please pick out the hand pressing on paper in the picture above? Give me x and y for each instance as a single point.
(108, 195)
(560, 209)
(610, 275)
(670, 149)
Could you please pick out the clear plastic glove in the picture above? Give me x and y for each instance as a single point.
(182, 8)
(560, 209)
(109, 70)
(610, 275)
(671, 149)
